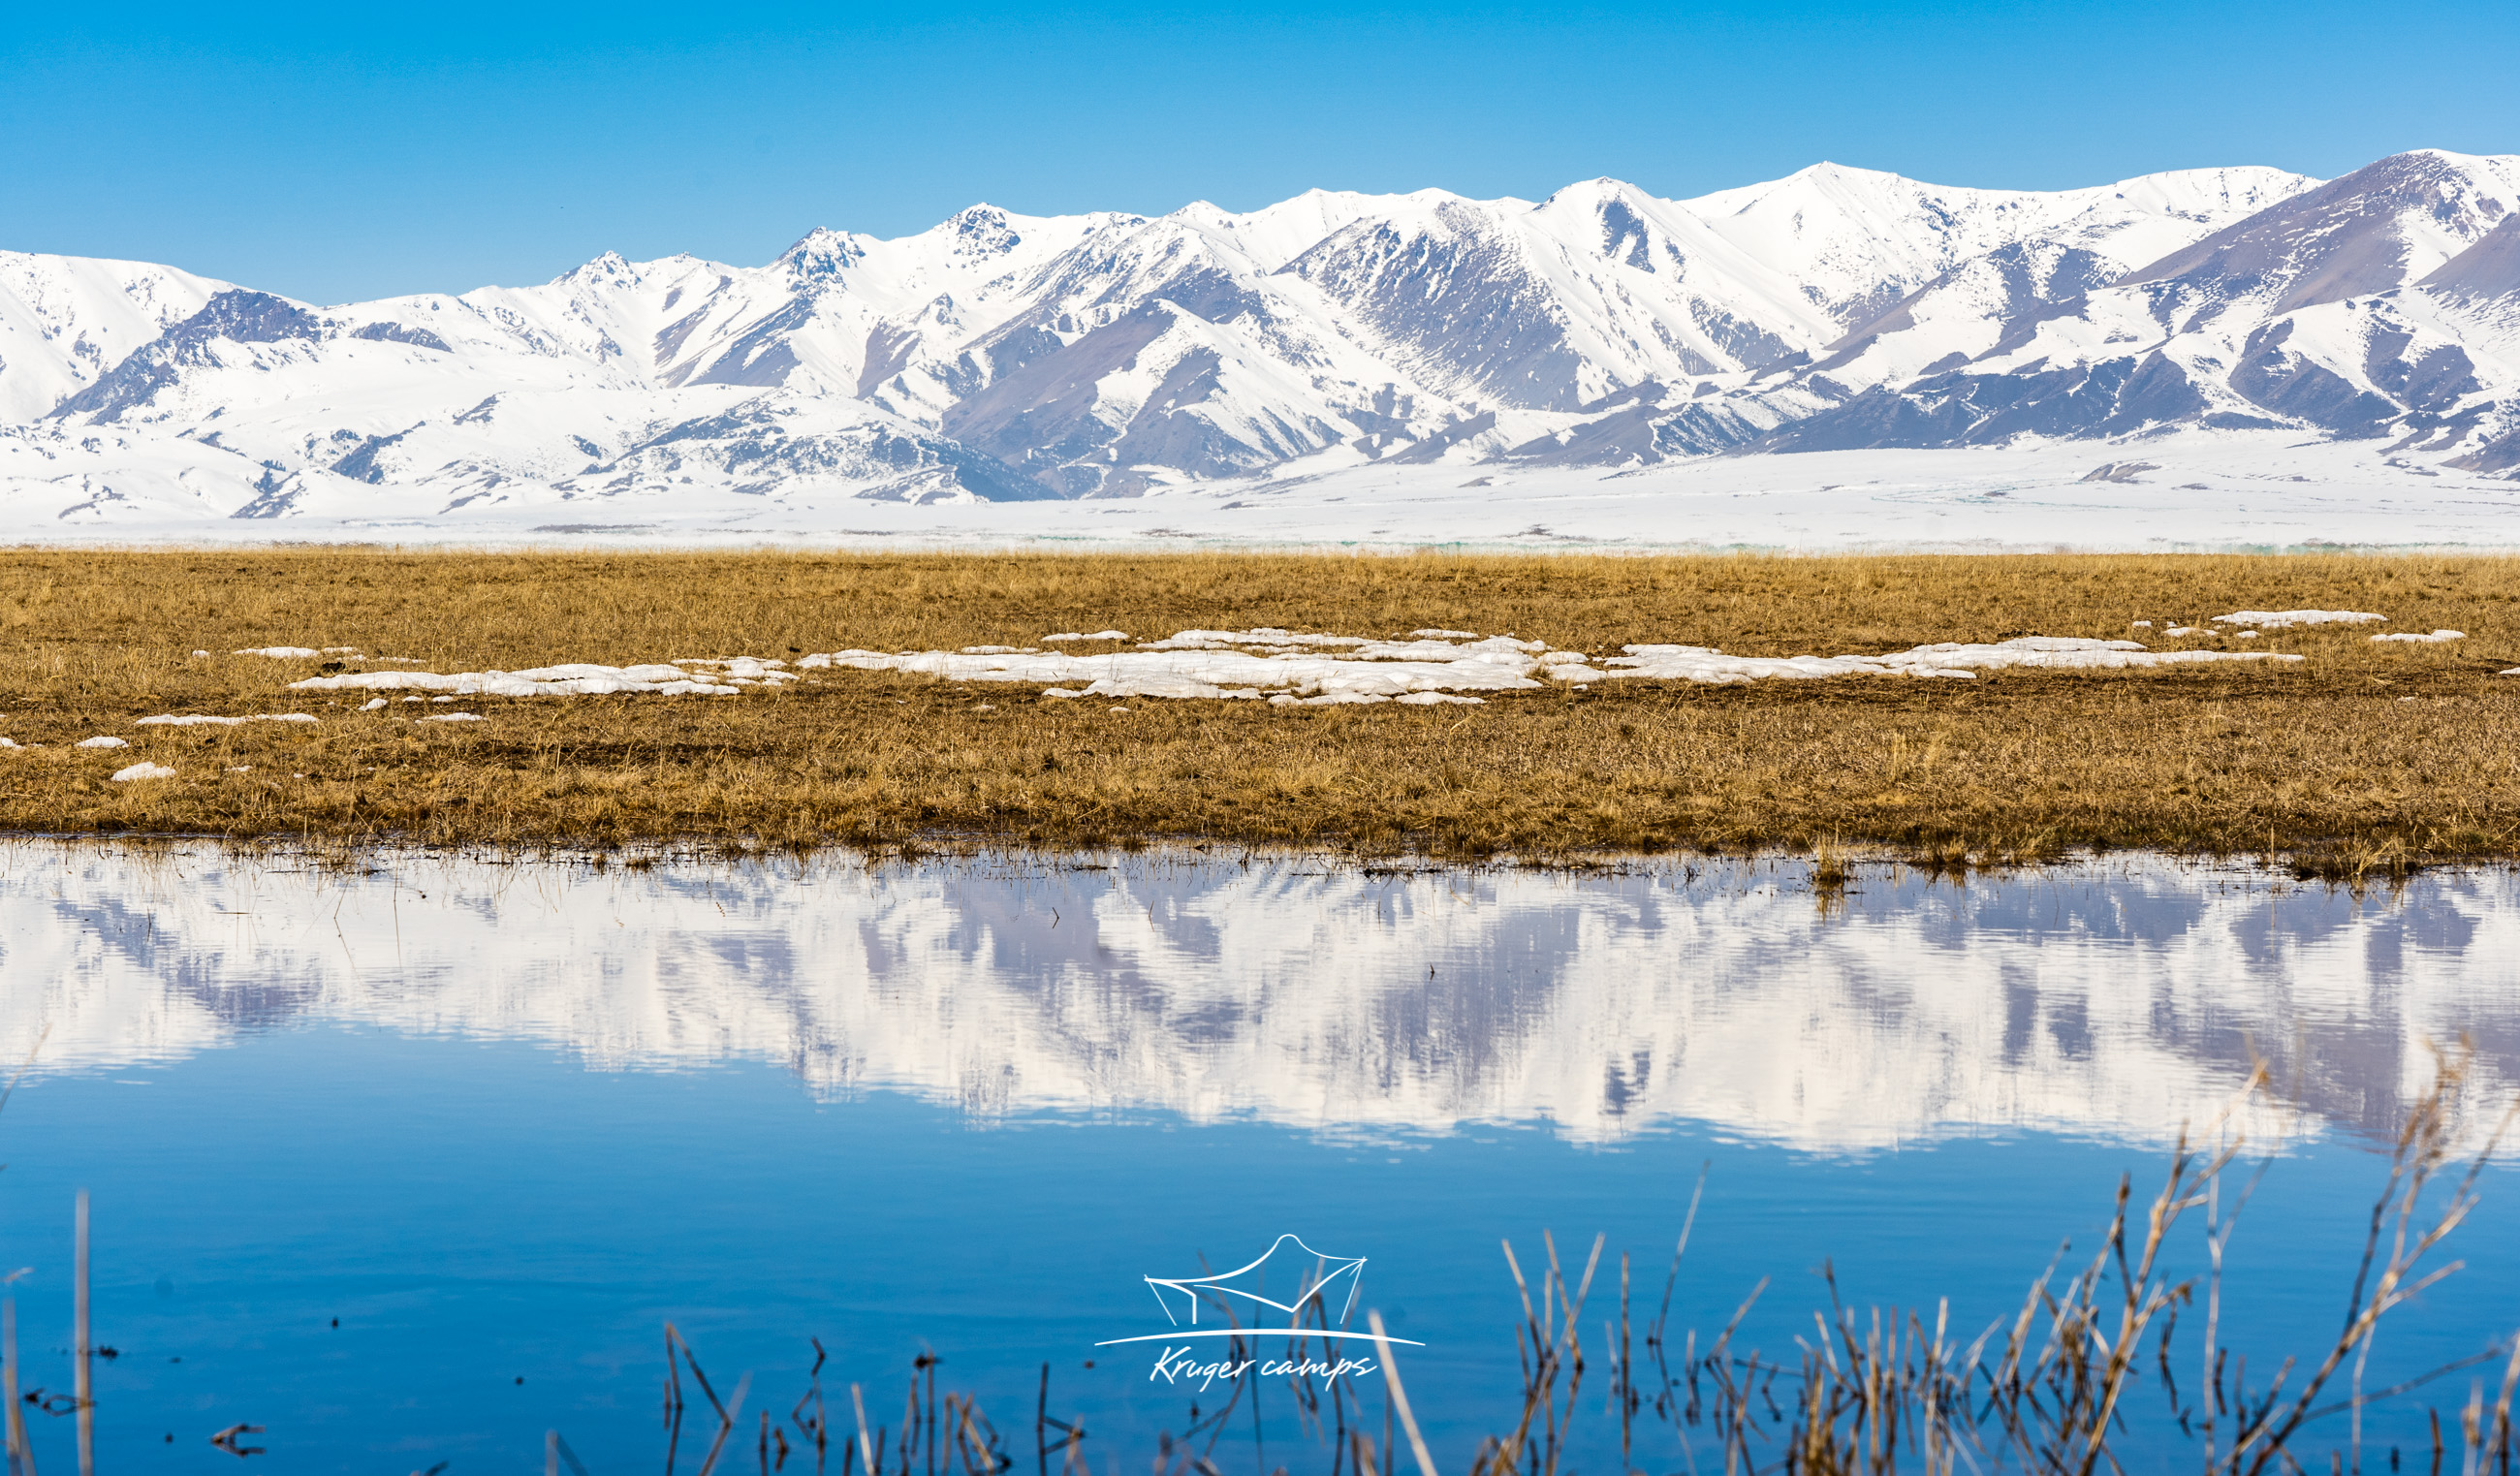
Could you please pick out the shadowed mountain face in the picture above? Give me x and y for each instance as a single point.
(2115, 1002)
(2357, 235)
(1001, 357)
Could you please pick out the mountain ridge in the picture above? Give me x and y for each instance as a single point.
(1004, 357)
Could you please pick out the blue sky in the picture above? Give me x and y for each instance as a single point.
(357, 150)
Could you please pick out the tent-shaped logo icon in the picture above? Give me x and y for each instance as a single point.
(1291, 1288)
(1290, 1279)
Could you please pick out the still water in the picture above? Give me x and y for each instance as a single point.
(411, 1163)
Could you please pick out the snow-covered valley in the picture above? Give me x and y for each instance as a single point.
(1840, 359)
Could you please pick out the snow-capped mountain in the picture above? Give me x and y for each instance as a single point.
(65, 321)
(1000, 357)
(2320, 313)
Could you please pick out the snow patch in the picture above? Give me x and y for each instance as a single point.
(1322, 670)
(102, 741)
(2435, 638)
(203, 719)
(1949, 658)
(2278, 619)
(569, 680)
(277, 653)
(143, 770)
(1233, 665)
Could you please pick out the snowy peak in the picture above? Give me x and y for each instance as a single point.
(236, 319)
(1857, 240)
(822, 255)
(67, 321)
(2376, 229)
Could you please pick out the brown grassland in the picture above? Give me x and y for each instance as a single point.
(2364, 756)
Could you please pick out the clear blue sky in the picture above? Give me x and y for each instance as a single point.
(365, 148)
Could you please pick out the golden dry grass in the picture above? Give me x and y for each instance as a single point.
(2362, 755)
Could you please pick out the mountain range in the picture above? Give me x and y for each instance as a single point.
(998, 357)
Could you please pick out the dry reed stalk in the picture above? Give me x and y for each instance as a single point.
(2422, 1151)
(13, 1419)
(726, 1428)
(83, 1360)
(1400, 1396)
(25, 1066)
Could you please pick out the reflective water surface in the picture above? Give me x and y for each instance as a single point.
(503, 1120)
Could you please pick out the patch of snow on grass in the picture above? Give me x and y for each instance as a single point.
(744, 671)
(1316, 670)
(1100, 635)
(452, 717)
(2278, 619)
(280, 652)
(2435, 638)
(143, 770)
(102, 741)
(1949, 658)
(571, 680)
(1224, 664)
(201, 719)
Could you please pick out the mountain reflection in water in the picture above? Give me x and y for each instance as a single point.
(2113, 999)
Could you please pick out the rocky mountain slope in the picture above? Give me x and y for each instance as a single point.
(1000, 357)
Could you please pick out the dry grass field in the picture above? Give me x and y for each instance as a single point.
(2364, 756)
